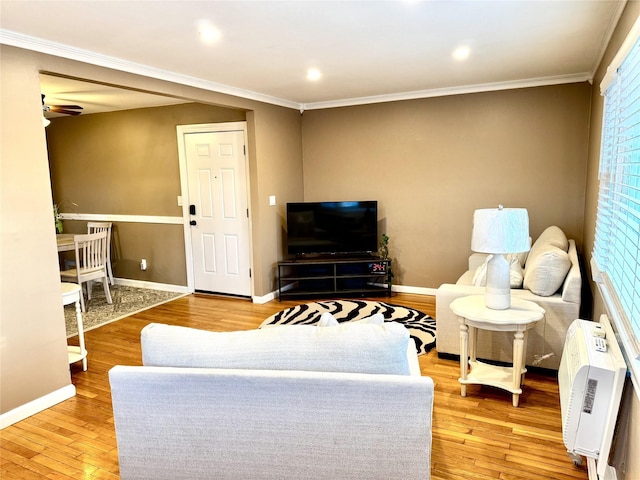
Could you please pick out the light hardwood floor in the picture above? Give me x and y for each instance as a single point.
(480, 436)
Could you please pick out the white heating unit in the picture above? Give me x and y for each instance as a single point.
(591, 377)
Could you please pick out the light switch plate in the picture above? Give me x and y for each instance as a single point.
(272, 200)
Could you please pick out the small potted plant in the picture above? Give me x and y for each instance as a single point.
(383, 248)
(56, 218)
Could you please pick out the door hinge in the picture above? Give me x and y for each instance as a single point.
(249, 273)
(244, 148)
(247, 213)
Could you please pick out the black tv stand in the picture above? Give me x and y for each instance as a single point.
(334, 256)
(334, 276)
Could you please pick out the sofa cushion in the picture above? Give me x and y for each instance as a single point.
(546, 270)
(515, 273)
(348, 347)
(553, 236)
(328, 320)
(375, 319)
(572, 287)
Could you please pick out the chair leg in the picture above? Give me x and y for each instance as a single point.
(110, 272)
(107, 292)
(83, 308)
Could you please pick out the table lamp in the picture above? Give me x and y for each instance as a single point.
(499, 231)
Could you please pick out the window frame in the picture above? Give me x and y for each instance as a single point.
(629, 340)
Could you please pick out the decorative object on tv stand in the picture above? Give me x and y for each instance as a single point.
(499, 231)
(383, 249)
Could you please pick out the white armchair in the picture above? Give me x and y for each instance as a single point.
(546, 339)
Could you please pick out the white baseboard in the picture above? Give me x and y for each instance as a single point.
(416, 290)
(394, 288)
(165, 287)
(36, 406)
(265, 298)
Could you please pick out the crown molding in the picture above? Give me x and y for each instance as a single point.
(65, 51)
(461, 90)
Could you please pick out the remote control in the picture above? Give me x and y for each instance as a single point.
(601, 344)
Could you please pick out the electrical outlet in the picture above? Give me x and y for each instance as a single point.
(143, 264)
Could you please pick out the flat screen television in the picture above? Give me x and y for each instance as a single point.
(332, 228)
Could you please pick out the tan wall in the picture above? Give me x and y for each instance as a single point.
(280, 173)
(126, 163)
(431, 162)
(33, 344)
(629, 446)
(33, 348)
(275, 150)
(161, 245)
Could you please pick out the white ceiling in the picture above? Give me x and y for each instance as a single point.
(366, 51)
(95, 97)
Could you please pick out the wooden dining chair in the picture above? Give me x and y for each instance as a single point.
(91, 263)
(93, 227)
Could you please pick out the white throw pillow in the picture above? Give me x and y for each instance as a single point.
(327, 320)
(521, 258)
(515, 273)
(553, 236)
(354, 348)
(480, 277)
(546, 270)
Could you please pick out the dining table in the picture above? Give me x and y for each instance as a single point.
(65, 242)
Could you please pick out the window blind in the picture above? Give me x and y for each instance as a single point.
(617, 239)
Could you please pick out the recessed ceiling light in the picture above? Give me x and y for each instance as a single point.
(313, 74)
(208, 33)
(461, 53)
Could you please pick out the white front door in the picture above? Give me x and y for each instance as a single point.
(218, 211)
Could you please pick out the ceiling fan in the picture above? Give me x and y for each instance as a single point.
(65, 109)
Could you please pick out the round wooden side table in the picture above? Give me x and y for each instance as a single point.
(473, 314)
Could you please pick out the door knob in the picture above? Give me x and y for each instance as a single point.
(192, 222)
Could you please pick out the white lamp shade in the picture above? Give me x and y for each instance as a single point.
(500, 230)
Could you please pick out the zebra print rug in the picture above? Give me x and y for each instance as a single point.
(421, 326)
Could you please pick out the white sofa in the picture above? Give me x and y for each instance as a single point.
(290, 402)
(543, 272)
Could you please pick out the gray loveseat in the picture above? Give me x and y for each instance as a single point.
(551, 278)
(291, 402)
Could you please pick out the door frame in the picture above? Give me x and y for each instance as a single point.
(182, 130)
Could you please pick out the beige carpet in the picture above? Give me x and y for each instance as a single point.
(126, 301)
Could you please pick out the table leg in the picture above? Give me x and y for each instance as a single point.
(524, 356)
(81, 334)
(473, 343)
(464, 355)
(518, 351)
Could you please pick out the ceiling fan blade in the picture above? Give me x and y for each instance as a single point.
(62, 110)
(72, 107)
